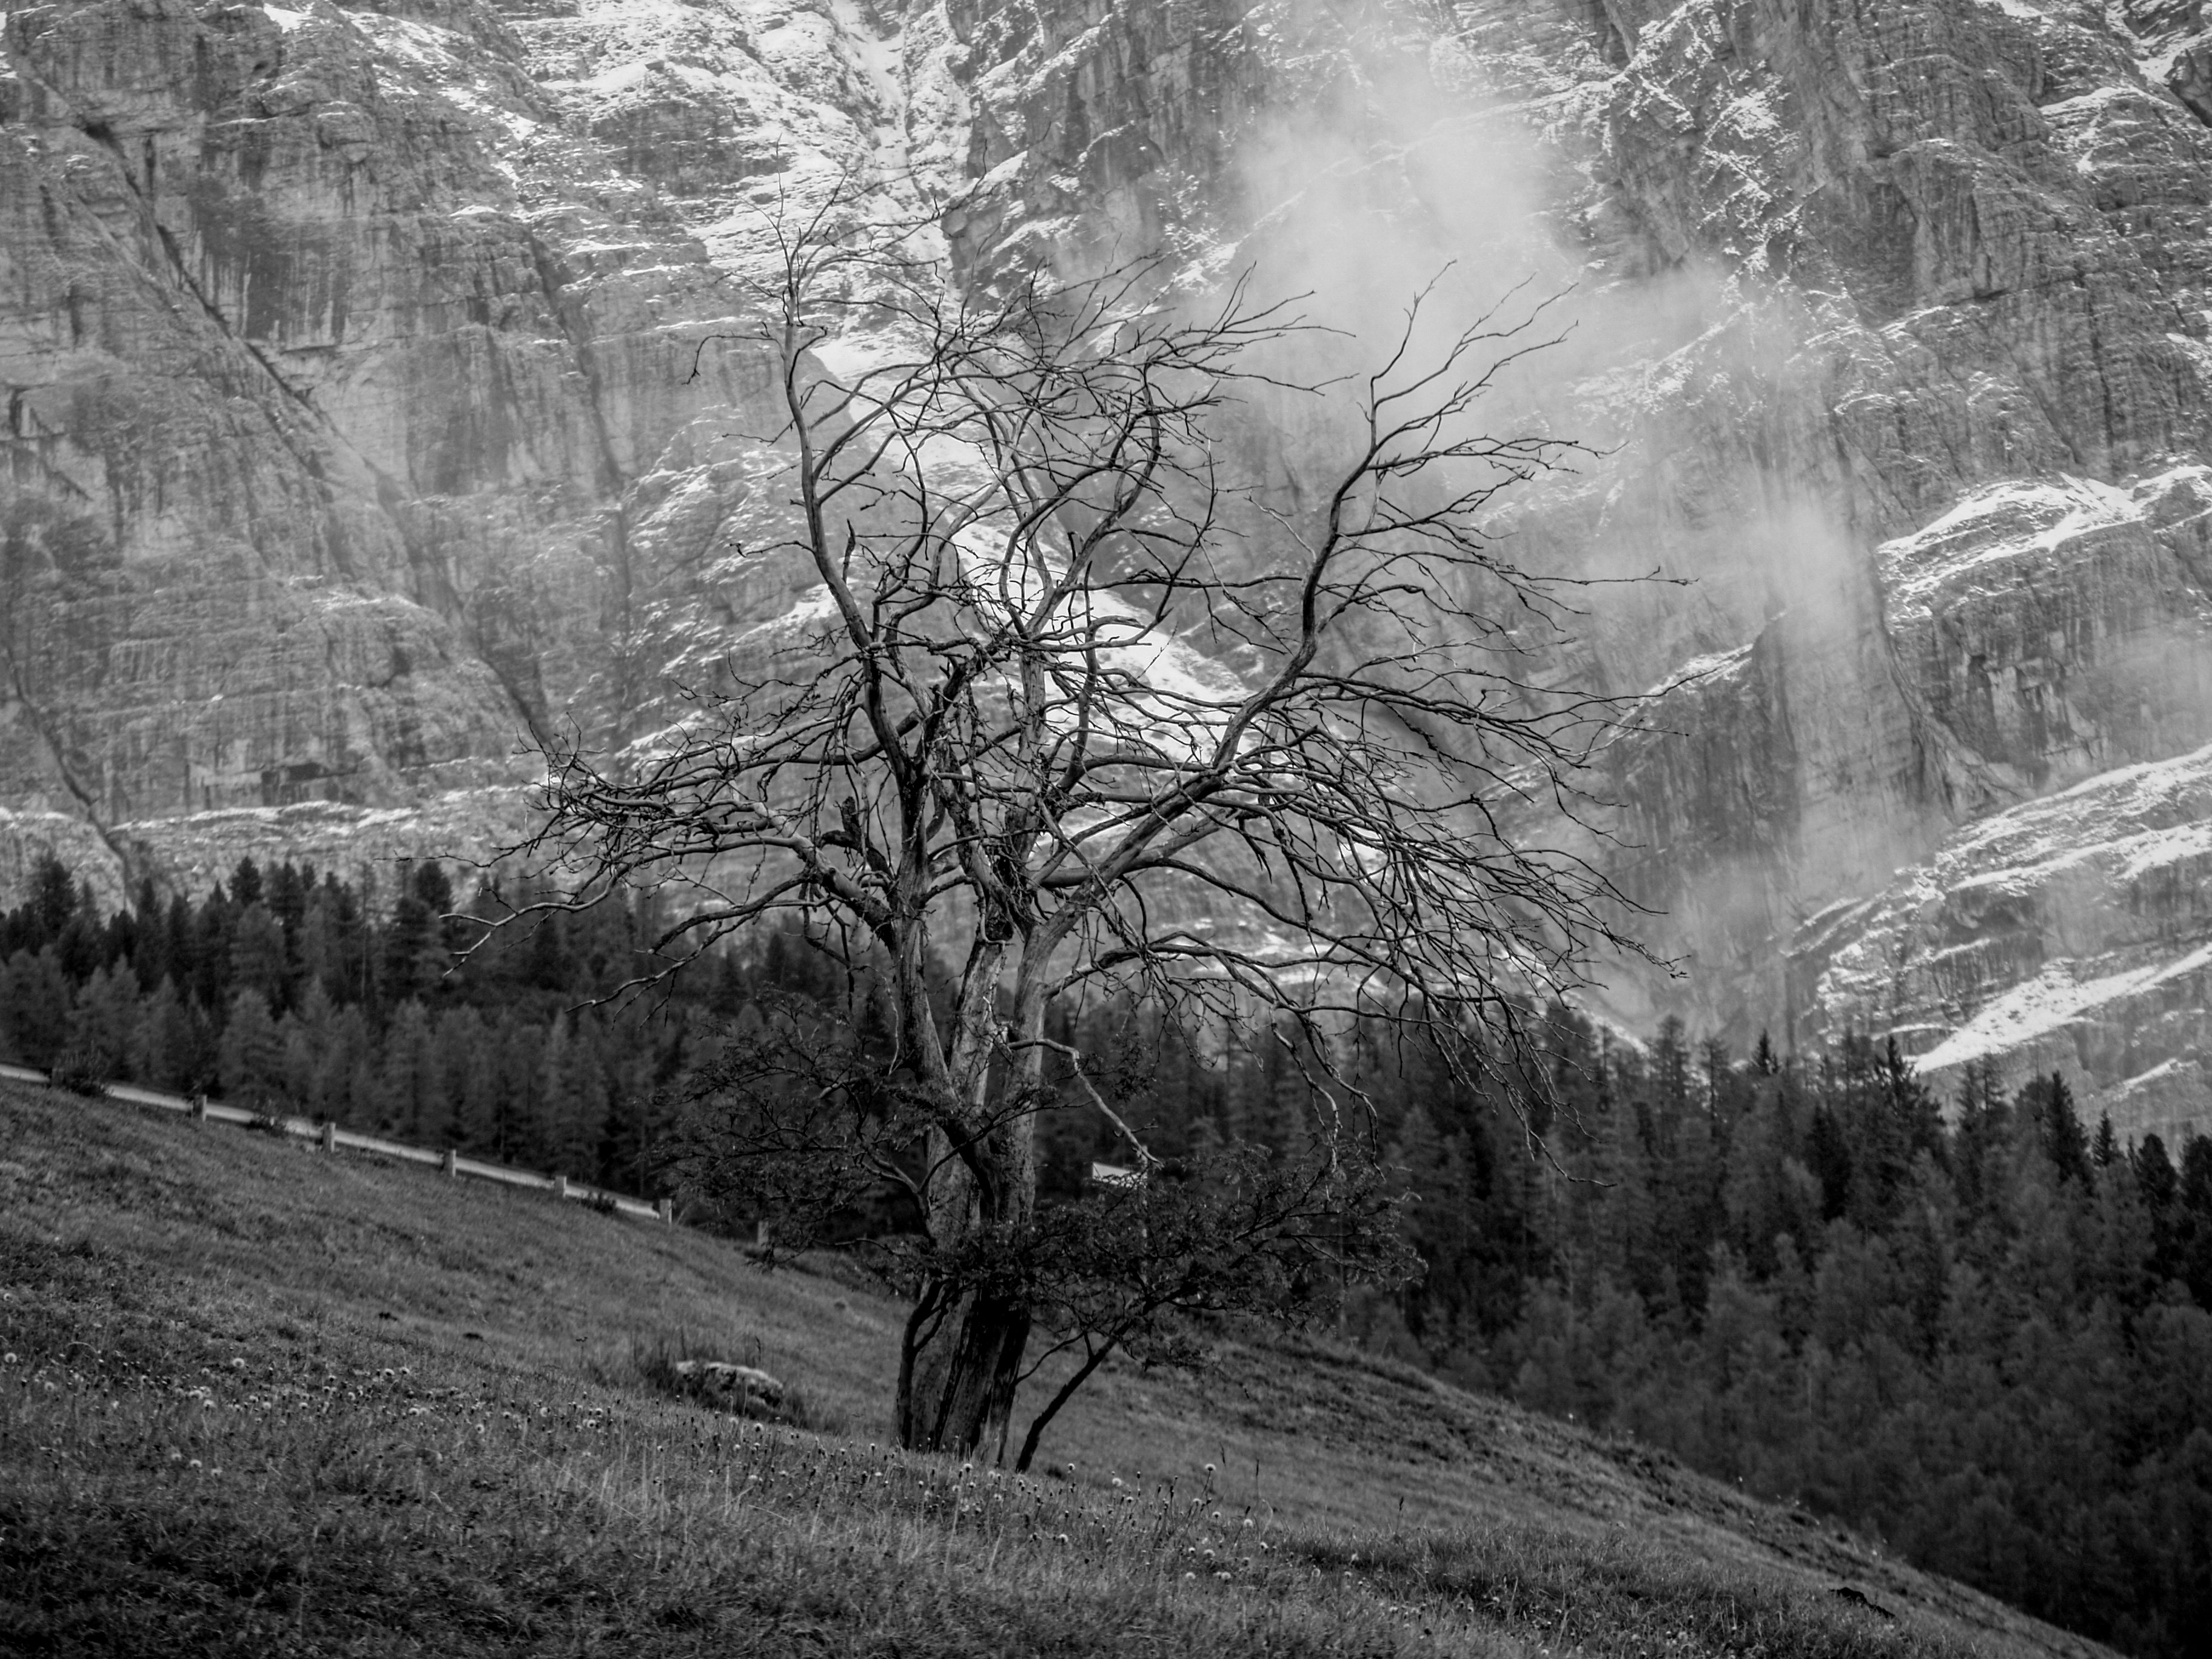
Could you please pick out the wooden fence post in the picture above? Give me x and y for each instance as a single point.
(330, 1134)
(560, 1186)
(665, 1208)
(198, 1111)
(450, 1165)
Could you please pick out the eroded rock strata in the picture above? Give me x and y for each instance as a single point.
(377, 395)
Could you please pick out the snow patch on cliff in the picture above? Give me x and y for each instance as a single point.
(2074, 930)
(1977, 540)
(2046, 1004)
(787, 86)
(1701, 670)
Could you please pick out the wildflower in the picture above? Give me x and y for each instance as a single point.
(1209, 1468)
(237, 1362)
(194, 1464)
(7, 1359)
(1117, 1483)
(1222, 1577)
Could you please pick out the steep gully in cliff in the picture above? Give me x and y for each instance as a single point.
(611, 483)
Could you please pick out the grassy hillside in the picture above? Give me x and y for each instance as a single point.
(256, 1399)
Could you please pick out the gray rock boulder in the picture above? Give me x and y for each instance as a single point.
(741, 1389)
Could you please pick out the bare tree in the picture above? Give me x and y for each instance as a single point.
(1079, 715)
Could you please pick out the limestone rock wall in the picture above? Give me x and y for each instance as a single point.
(349, 372)
(377, 391)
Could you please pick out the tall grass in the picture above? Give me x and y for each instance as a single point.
(262, 1401)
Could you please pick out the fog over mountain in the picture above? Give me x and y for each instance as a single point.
(353, 432)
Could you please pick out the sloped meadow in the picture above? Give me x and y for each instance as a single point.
(256, 1399)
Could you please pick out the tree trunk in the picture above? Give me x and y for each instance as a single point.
(1091, 1362)
(961, 1359)
(960, 1394)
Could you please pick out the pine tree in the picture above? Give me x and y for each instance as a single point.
(1669, 1078)
(1830, 1159)
(103, 1023)
(574, 1093)
(250, 1059)
(34, 1007)
(150, 952)
(50, 904)
(412, 1102)
(322, 960)
(1984, 1128)
(459, 1039)
(82, 945)
(259, 960)
(2192, 1217)
(177, 941)
(1913, 1106)
(2157, 1180)
(410, 954)
(209, 951)
(288, 902)
(349, 1084)
(308, 1038)
(2064, 1141)
(162, 1047)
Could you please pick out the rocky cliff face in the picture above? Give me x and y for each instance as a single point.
(353, 427)
(358, 362)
